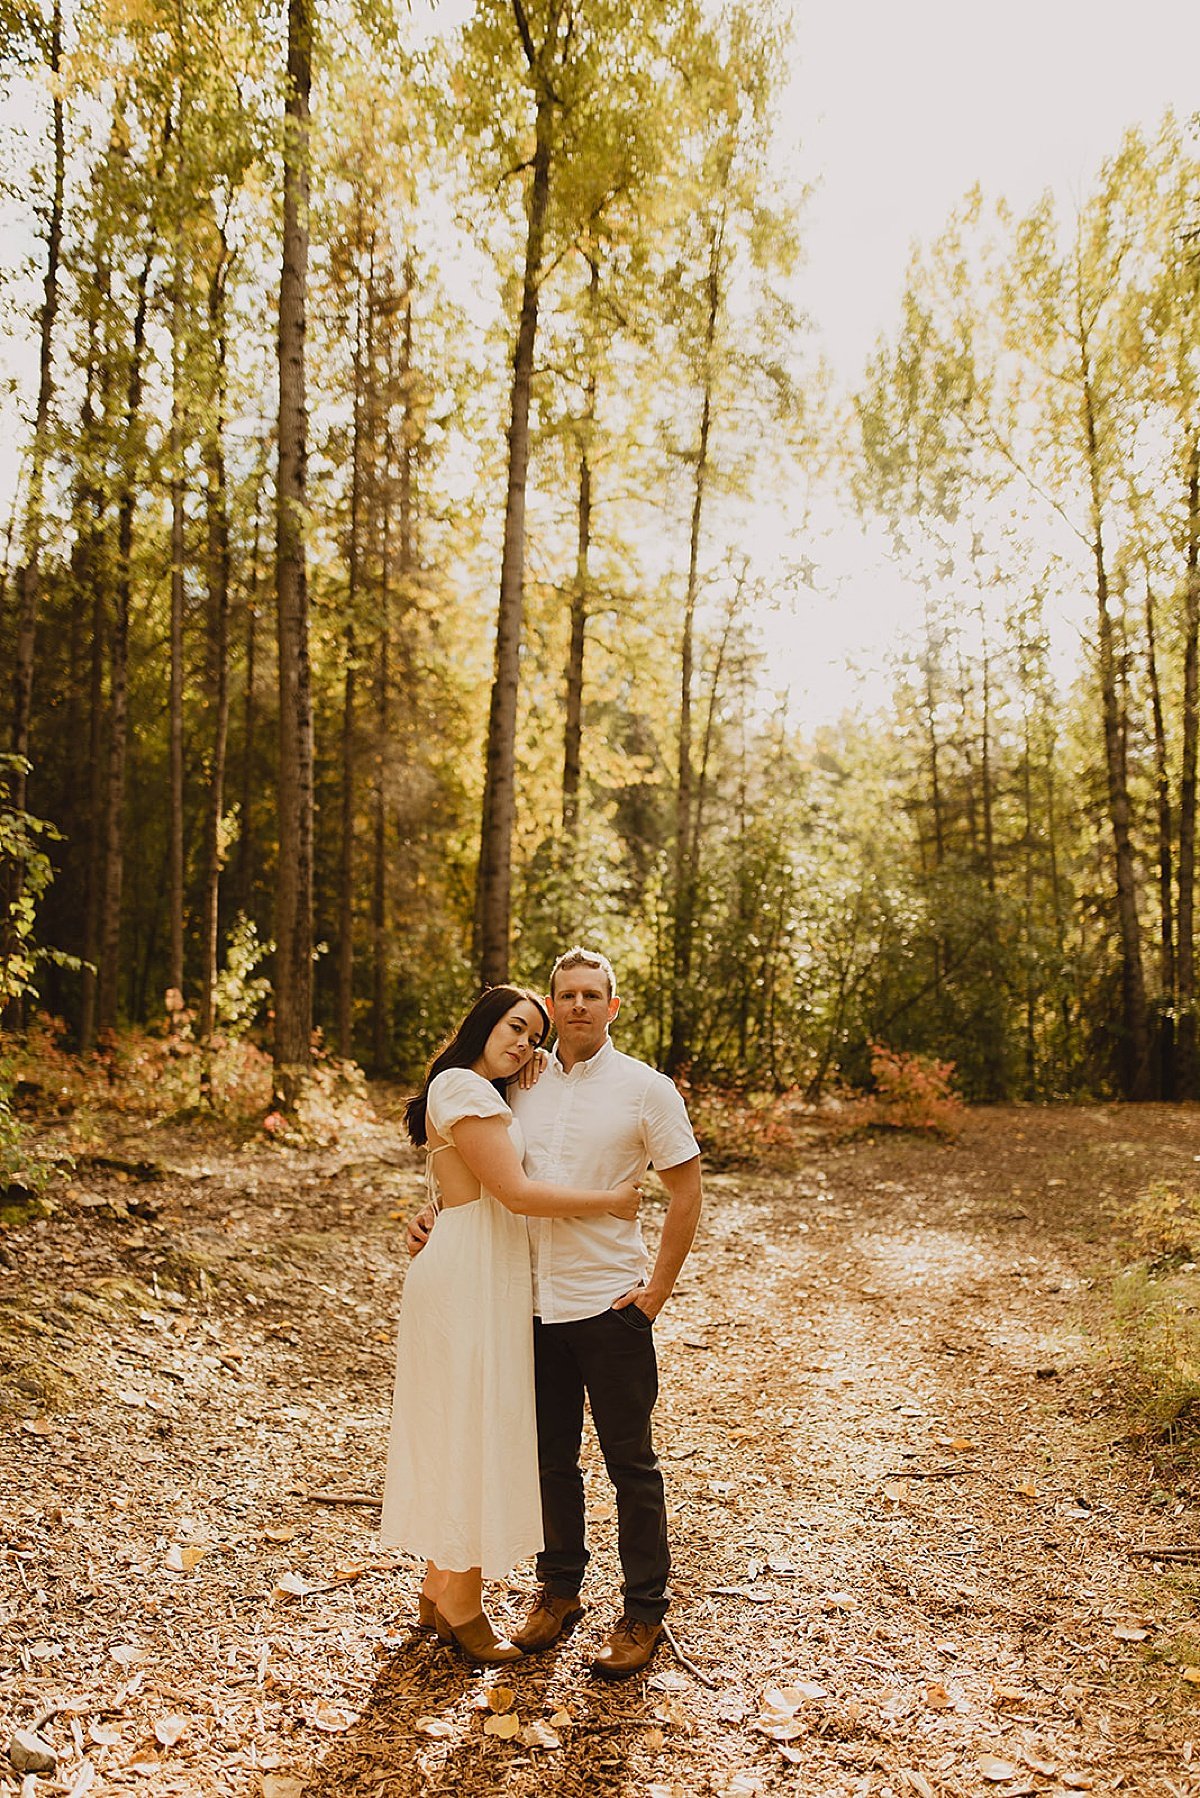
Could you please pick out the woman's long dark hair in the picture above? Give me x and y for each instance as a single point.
(467, 1045)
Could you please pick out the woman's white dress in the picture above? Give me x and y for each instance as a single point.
(462, 1483)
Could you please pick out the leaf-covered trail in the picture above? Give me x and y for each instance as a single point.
(903, 1514)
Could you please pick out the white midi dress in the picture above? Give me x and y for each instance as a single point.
(462, 1483)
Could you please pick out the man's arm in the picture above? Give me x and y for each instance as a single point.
(685, 1196)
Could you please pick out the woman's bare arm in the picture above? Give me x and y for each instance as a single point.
(486, 1147)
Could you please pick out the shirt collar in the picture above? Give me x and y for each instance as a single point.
(603, 1054)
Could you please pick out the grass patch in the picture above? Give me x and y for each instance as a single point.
(46, 1357)
(1179, 1650)
(1155, 1327)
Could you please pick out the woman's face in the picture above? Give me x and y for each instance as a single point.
(511, 1042)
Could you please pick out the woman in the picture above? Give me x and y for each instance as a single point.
(462, 1485)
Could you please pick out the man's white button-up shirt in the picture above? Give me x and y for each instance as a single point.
(606, 1121)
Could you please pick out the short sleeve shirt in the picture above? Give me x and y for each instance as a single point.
(606, 1121)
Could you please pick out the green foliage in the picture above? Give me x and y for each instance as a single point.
(937, 879)
(1028, 436)
(239, 995)
(19, 1167)
(25, 874)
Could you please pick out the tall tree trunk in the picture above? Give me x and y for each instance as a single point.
(493, 900)
(986, 796)
(363, 361)
(217, 650)
(29, 572)
(175, 703)
(379, 997)
(1058, 906)
(294, 884)
(84, 586)
(573, 730)
(245, 858)
(383, 683)
(936, 806)
(108, 987)
(1166, 918)
(10, 535)
(1189, 1083)
(90, 565)
(1135, 1069)
(936, 802)
(706, 747)
(683, 919)
(345, 962)
(406, 561)
(966, 785)
(580, 594)
(94, 837)
(1028, 836)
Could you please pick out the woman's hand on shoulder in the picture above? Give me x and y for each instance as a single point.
(626, 1199)
(531, 1073)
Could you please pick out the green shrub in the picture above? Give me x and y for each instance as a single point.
(25, 873)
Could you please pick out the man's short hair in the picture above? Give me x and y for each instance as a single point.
(579, 957)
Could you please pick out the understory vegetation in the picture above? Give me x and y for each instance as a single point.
(1156, 1316)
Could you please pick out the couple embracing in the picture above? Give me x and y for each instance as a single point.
(534, 1190)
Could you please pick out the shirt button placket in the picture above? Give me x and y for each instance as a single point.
(566, 1106)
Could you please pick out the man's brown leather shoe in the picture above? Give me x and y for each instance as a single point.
(628, 1649)
(549, 1617)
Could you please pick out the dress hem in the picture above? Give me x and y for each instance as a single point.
(494, 1570)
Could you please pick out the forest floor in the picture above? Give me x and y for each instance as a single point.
(905, 1506)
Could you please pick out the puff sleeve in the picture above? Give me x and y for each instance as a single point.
(458, 1093)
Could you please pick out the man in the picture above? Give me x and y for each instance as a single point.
(596, 1117)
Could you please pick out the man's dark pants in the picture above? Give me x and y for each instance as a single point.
(611, 1357)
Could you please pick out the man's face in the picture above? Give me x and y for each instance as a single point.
(582, 1010)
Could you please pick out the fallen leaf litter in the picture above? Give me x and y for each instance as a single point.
(907, 1560)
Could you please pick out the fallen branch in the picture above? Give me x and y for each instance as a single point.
(683, 1659)
(318, 1496)
(1179, 1551)
(120, 1164)
(927, 1473)
(348, 1579)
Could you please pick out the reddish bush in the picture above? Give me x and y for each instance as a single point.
(912, 1092)
(739, 1128)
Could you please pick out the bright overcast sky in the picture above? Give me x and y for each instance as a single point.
(902, 105)
(899, 107)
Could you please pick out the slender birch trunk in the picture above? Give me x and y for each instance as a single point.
(493, 902)
(28, 574)
(1189, 1073)
(294, 882)
(217, 581)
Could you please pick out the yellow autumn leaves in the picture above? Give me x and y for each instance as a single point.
(503, 1721)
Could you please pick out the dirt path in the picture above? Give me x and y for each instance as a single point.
(900, 1493)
